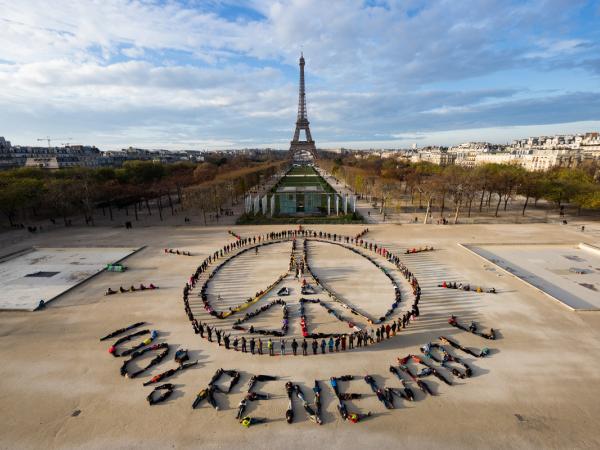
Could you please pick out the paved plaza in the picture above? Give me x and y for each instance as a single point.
(536, 389)
(42, 274)
(567, 273)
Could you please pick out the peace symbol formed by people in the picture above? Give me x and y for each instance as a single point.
(231, 326)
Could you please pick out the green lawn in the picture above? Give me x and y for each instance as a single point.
(302, 170)
(310, 178)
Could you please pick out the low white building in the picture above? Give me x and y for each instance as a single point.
(434, 155)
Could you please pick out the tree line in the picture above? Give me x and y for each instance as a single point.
(30, 194)
(466, 189)
(228, 187)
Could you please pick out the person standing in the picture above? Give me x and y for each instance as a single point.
(294, 347)
(282, 347)
(270, 347)
(260, 350)
(304, 347)
(344, 342)
(315, 346)
(331, 343)
(226, 341)
(415, 310)
(323, 346)
(351, 341)
(252, 345)
(244, 350)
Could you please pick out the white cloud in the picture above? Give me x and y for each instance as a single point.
(230, 79)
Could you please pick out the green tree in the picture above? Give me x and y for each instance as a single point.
(17, 194)
(566, 184)
(531, 186)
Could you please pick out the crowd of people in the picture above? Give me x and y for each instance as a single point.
(432, 353)
(251, 396)
(465, 287)
(353, 417)
(183, 363)
(418, 250)
(285, 320)
(481, 354)
(204, 289)
(341, 342)
(209, 392)
(361, 234)
(313, 414)
(472, 328)
(354, 310)
(235, 235)
(131, 288)
(445, 359)
(177, 252)
(337, 315)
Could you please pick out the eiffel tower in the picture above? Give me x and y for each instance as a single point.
(302, 123)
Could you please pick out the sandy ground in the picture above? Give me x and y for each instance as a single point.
(59, 388)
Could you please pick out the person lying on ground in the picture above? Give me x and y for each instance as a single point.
(109, 291)
(406, 392)
(289, 413)
(147, 341)
(385, 398)
(483, 352)
(249, 421)
(472, 328)
(255, 396)
(170, 372)
(259, 378)
(334, 385)
(349, 396)
(317, 392)
(207, 393)
(157, 359)
(122, 330)
(422, 385)
(241, 408)
(113, 348)
(168, 389)
(341, 407)
(357, 417)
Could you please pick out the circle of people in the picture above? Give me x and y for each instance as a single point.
(320, 343)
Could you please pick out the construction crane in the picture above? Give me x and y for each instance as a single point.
(49, 139)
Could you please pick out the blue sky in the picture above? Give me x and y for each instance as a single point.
(223, 73)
